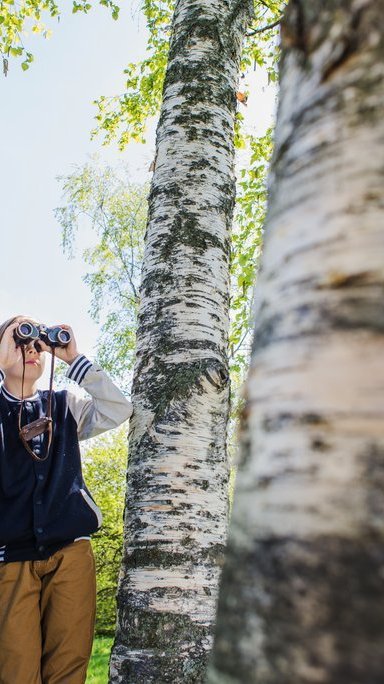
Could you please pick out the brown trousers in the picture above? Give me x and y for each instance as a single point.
(47, 616)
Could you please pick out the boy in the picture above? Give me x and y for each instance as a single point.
(47, 514)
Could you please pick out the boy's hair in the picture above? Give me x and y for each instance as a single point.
(5, 325)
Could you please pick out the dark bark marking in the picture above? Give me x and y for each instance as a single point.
(318, 444)
(353, 313)
(203, 27)
(293, 29)
(305, 595)
(178, 382)
(154, 556)
(313, 419)
(160, 639)
(265, 331)
(358, 303)
(186, 231)
(349, 45)
(281, 420)
(277, 422)
(373, 473)
(339, 280)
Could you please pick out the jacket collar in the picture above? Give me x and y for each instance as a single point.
(11, 397)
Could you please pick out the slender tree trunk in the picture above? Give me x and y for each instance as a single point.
(302, 594)
(176, 505)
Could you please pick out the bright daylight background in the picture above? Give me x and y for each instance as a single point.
(46, 116)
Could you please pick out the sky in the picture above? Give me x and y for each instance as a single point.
(46, 116)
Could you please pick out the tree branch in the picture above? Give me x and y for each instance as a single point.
(265, 4)
(265, 28)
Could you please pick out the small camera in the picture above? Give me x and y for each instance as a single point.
(54, 337)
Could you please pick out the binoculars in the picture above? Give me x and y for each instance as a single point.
(54, 337)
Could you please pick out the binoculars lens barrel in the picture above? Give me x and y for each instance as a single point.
(64, 336)
(58, 336)
(27, 331)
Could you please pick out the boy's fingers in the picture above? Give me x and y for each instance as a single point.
(44, 346)
(64, 325)
(11, 328)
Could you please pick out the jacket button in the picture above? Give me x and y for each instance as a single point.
(39, 502)
(41, 548)
(39, 529)
(41, 477)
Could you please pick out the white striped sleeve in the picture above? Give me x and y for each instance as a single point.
(78, 368)
(106, 409)
(2, 376)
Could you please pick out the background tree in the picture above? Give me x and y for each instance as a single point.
(301, 596)
(105, 199)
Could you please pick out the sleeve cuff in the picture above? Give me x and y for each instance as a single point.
(2, 376)
(78, 368)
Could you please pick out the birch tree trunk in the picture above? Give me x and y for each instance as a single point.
(302, 594)
(176, 505)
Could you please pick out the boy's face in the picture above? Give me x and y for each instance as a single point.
(34, 365)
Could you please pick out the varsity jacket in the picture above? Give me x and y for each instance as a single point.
(46, 505)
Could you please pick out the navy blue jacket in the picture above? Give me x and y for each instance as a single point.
(47, 505)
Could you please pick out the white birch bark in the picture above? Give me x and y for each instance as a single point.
(176, 505)
(301, 600)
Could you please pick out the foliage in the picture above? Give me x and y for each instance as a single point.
(247, 242)
(98, 665)
(124, 117)
(116, 210)
(104, 469)
(260, 44)
(246, 247)
(144, 79)
(17, 16)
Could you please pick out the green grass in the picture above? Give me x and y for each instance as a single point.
(98, 664)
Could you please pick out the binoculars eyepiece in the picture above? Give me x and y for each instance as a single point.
(54, 337)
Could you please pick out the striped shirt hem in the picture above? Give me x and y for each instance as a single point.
(78, 368)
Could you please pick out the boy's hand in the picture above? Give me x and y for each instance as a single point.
(68, 353)
(9, 352)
